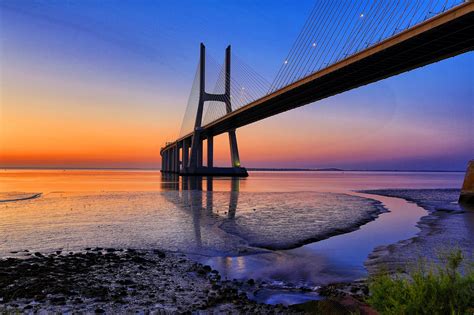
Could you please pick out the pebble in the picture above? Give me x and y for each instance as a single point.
(118, 282)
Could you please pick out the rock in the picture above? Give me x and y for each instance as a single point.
(467, 191)
(112, 281)
(58, 300)
(125, 282)
(160, 253)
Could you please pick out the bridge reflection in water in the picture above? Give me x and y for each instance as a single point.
(195, 195)
(210, 201)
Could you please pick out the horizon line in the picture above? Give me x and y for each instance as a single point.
(251, 169)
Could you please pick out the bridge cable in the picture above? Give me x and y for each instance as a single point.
(293, 48)
(295, 64)
(292, 60)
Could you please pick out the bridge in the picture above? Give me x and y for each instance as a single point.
(342, 46)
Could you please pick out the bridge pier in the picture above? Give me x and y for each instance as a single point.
(199, 153)
(173, 160)
(185, 147)
(162, 163)
(234, 150)
(167, 160)
(170, 169)
(170, 161)
(176, 159)
(210, 151)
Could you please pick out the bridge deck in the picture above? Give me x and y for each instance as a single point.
(440, 37)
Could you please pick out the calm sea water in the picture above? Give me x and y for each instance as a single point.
(245, 228)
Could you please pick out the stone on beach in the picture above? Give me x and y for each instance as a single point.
(117, 281)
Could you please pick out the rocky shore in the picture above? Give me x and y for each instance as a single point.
(107, 280)
(115, 281)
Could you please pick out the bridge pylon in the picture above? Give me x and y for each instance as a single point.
(190, 162)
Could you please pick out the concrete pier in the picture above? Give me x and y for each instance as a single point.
(185, 146)
(467, 191)
(210, 151)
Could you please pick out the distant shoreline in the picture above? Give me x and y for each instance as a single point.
(251, 169)
(342, 170)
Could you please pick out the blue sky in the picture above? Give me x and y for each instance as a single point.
(130, 64)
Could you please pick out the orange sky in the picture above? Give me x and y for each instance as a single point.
(84, 126)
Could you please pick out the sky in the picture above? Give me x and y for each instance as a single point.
(94, 84)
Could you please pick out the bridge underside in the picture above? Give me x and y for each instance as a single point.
(414, 48)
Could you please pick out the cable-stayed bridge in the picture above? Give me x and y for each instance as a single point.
(343, 45)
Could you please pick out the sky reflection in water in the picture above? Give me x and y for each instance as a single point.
(213, 219)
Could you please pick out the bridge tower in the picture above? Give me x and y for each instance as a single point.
(192, 149)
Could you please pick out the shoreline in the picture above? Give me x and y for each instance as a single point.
(107, 266)
(109, 280)
(403, 255)
(435, 236)
(370, 216)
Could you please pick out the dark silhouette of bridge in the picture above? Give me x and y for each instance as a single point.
(339, 49)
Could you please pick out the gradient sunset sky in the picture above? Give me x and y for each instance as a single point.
(105, 84)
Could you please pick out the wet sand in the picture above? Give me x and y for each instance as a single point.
(446, 226)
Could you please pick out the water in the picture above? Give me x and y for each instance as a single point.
(245, 228)
(336, 259)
